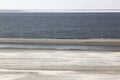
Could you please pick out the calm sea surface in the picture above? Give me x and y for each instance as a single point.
(60, 25)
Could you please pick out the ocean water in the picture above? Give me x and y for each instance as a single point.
(60, 25)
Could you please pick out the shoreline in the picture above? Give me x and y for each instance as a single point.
(67, 42)
(15, 64)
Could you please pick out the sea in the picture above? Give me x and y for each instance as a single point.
(60, 26)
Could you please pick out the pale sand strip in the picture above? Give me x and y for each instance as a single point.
(93, 42)
(59, 65)
(59, 60)
(57, 75)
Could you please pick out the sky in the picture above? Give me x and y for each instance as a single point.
(59, 4)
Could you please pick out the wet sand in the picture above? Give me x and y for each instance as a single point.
(80, 42)
(23, 64)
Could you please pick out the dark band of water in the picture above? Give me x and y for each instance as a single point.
(59, 47)
(60, 25)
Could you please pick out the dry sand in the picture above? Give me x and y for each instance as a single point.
(59, 65)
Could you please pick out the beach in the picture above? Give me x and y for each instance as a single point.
(17, 64)
(39, 64)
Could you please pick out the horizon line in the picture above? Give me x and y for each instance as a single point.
(59, 10)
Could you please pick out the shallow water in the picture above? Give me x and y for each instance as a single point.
(59, 47)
